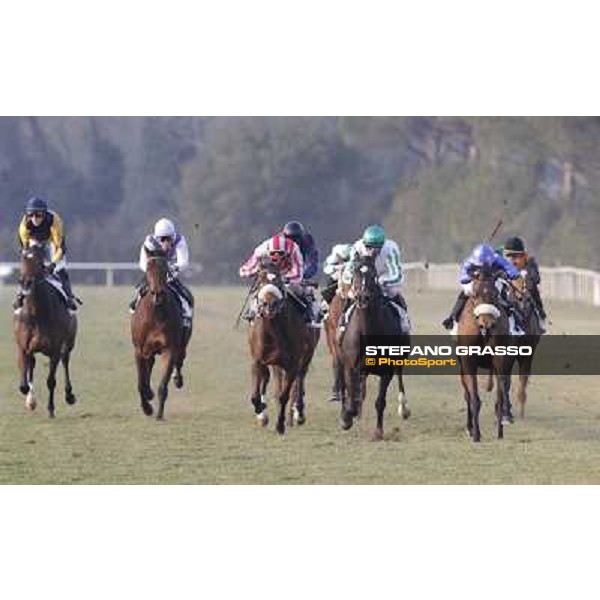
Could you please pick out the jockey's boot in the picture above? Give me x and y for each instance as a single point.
(324, 309)
(140, 291)
(341, 326)
(448, 322)
(399, 300)
(66, 283)
(539, 306)
(18, 303)
(250, 312)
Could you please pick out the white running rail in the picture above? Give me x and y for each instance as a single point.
(560, 283)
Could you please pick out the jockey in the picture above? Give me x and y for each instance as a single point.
(175, 247)
(482, 255)
(333, 268)
(46, 227)
(308, 248)
(284, 250)
(388, 265)
(310, 257)
(516, 252)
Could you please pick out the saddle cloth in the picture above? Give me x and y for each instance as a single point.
(56, 283)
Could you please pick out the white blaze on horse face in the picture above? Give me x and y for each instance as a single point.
(486, 309)
(271, 276)
(364, 269)
(267, 289)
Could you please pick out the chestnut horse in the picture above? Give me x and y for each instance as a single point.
(45, 325)
(279, 338)
(157, 329)
(484, 323)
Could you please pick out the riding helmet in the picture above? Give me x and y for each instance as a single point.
(164, 228)
(294, 230)
(36, 204)
(514, 245)
(483, 254)
(374, 236)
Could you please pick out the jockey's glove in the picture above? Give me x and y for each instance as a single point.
(51, 267)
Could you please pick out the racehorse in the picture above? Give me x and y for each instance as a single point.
(279, 338)
(484, 323)
(524, 303)
(369, 314)
(157, 329)
(43, 325)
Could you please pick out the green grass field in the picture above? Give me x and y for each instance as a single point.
(210, 434)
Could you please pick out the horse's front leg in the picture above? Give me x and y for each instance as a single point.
(26, 364)
(163, 388)
(384, 382)
(288, 382)
(143, 373)
(51, 382)
(351, 390)
(297, 406)
(524, 374)
(403, 409)
(178, 379)
(474, 404)
(260, 378)
(23, 366)
(69, 395)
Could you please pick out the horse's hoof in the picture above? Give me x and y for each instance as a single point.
(178, 381)
(405, 413)
(51, 415)
(508, 420)
(30, 402)
(262, 419)
(70, 399)
(346, 423)
(147, 408)
(377, 435)
(476, 438)
(297, 417)
(280, 429)
(160, 418)
(24, 389)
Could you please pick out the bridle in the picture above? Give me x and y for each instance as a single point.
(366, 290)
(158, 294)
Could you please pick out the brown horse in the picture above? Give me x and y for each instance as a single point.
(371, 315)
(157, 329)
(280, 339)
(483, 322)
(524, 302)
(43, 325)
